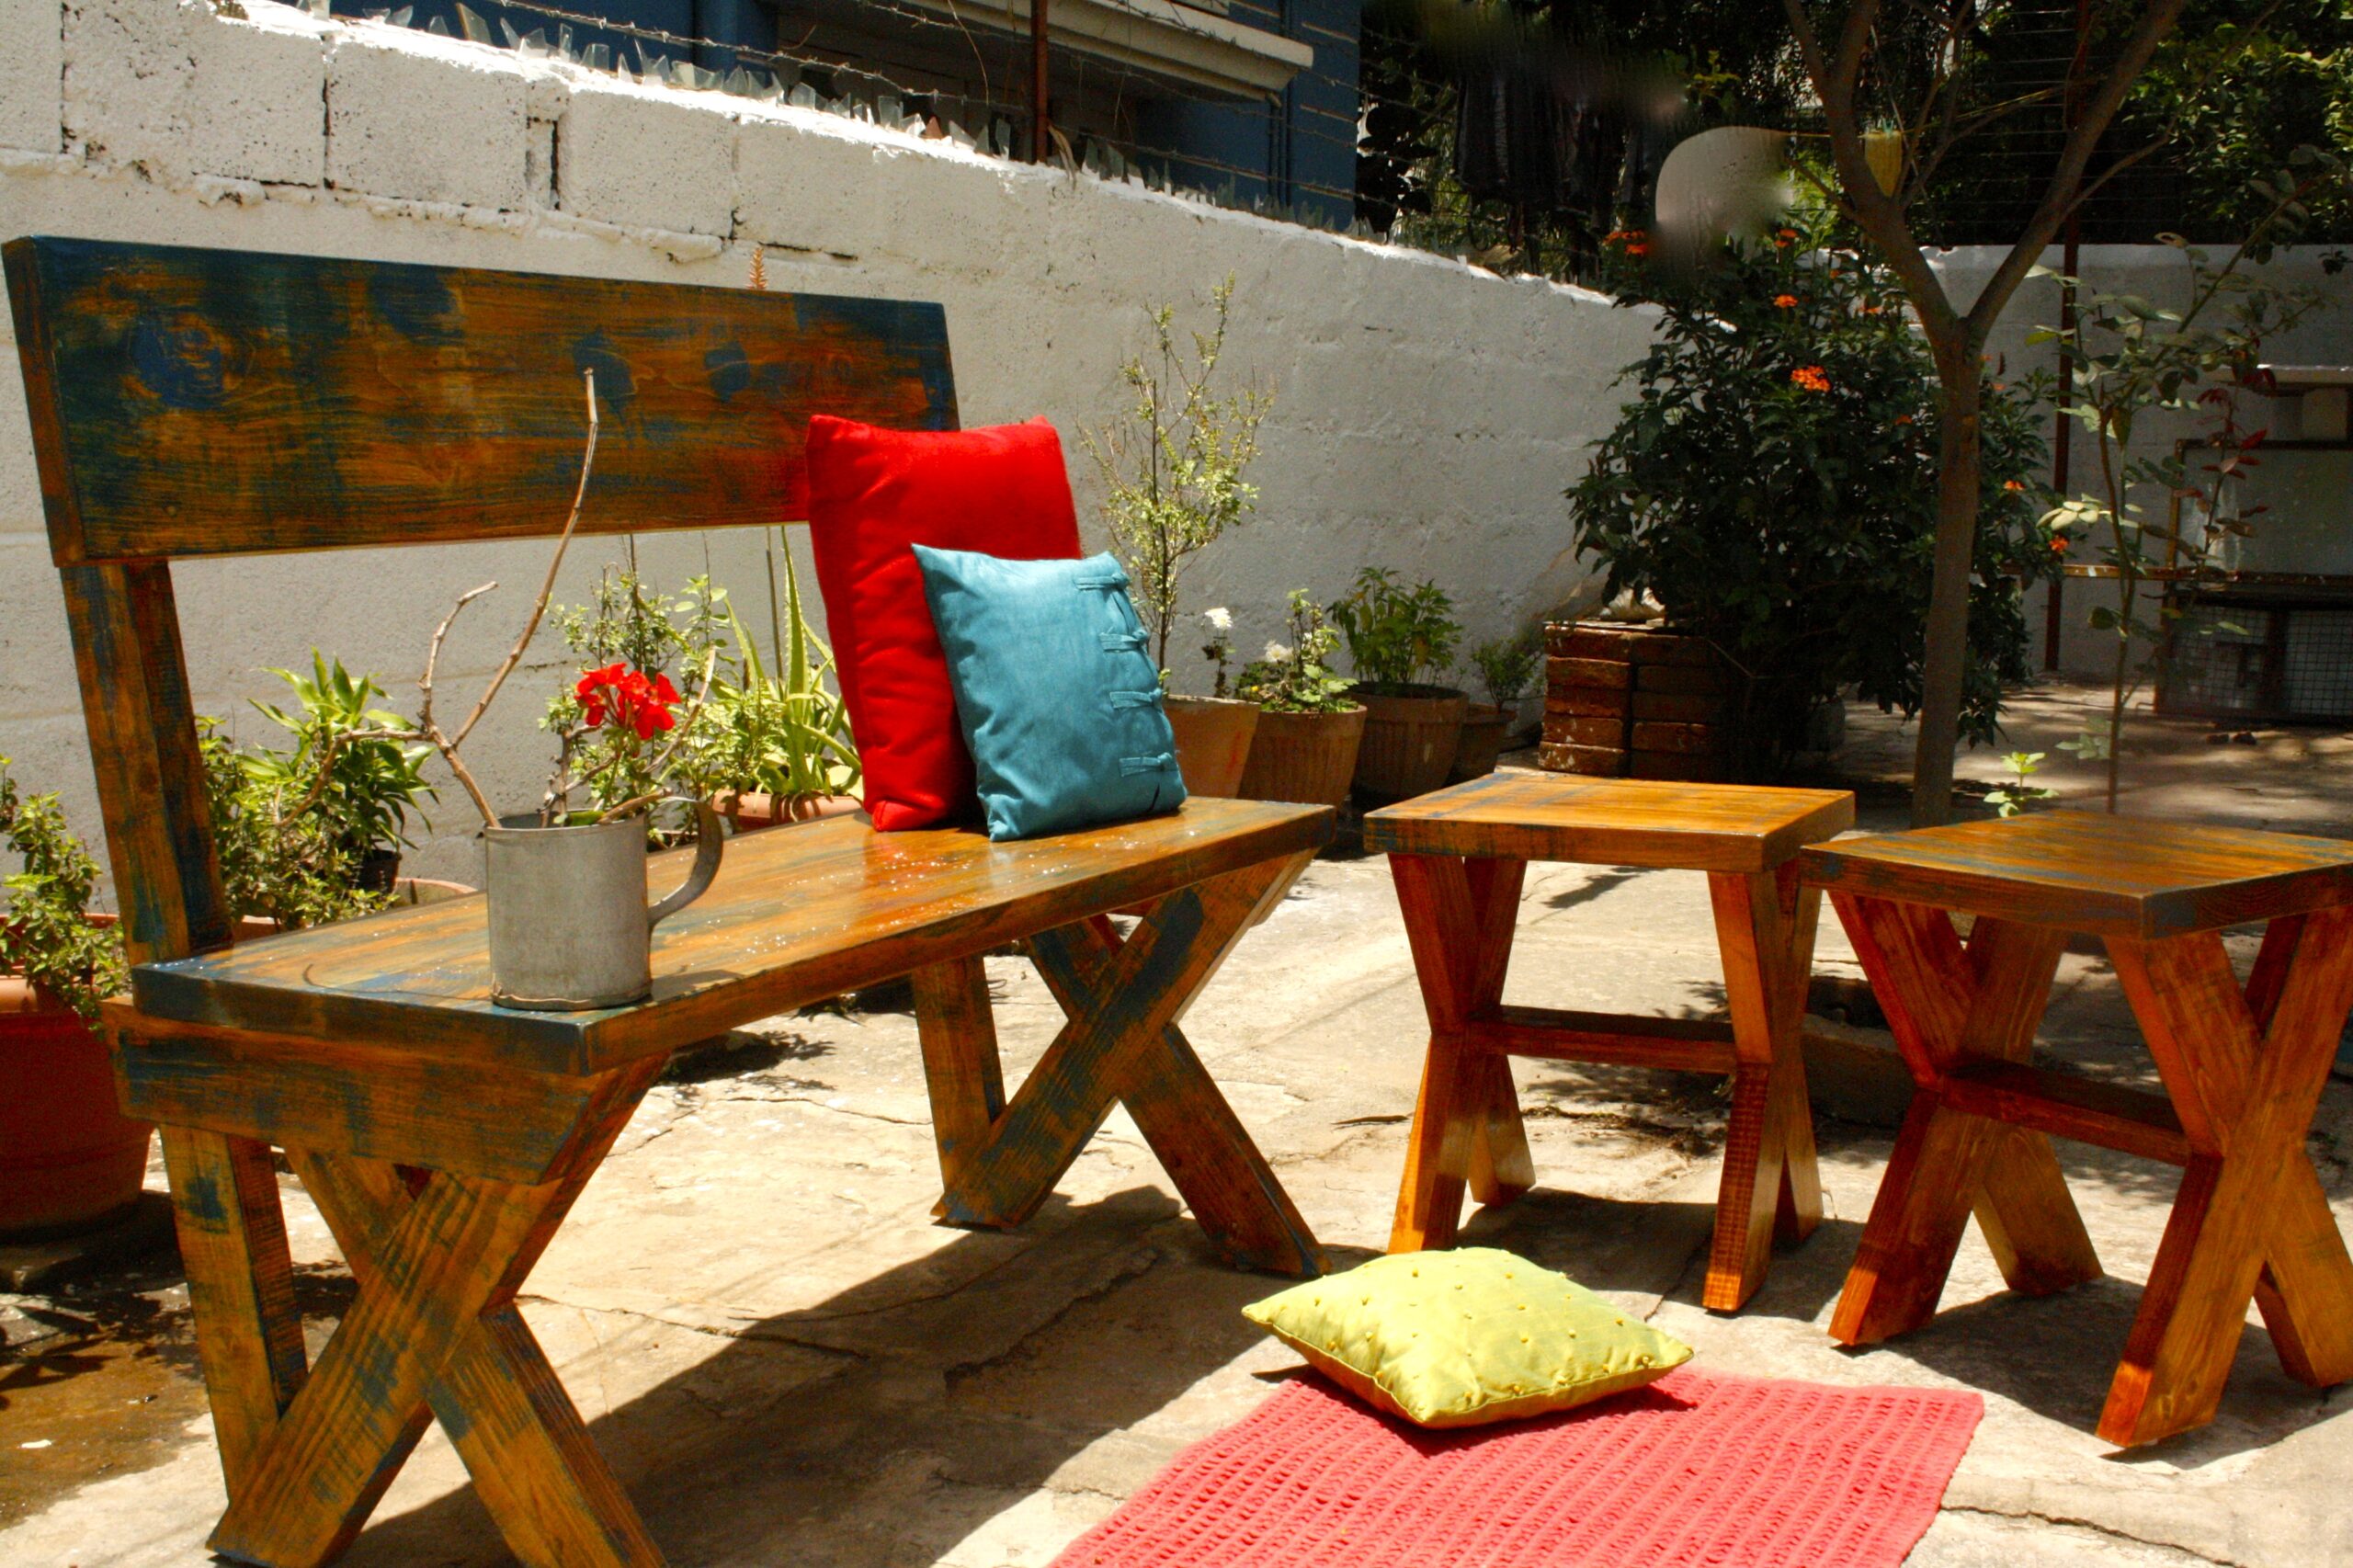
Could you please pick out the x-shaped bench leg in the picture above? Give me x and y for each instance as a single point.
(1948, 1006)
(2252, 1221)
(1122, 1044)
(434, 1331)
(1459, 918)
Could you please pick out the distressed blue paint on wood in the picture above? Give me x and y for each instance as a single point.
(217, 403)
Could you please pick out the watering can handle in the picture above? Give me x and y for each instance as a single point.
(708, 843)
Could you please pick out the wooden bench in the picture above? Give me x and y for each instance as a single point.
(188, 403)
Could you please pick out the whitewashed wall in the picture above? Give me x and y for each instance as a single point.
(2311, 493)
(1429, 413)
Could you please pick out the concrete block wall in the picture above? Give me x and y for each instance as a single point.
(1428, 415)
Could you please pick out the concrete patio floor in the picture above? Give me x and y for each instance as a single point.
(787, 1361)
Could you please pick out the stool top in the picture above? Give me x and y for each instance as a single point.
(2088, 871)
(1612, 822)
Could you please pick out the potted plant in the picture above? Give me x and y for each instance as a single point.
(1399, 636)
(69, 1158)
(362, 789)
(1505, 668)
(1309, 726)
(1172, 472)
(284, 864)
(785, 752)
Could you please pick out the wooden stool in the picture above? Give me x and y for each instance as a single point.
(2243, 1070)
(1459, 858)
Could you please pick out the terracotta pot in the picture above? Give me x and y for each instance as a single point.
(753, 810)
(1484, 731)
(1212, 742)
(69, 1160)
(1308, 757)
(1409, 740)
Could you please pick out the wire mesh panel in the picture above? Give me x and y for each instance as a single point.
(2227, 658)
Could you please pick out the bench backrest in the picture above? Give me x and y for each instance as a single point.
(196, 402)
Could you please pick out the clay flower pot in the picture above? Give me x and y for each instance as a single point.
(69, 1159)
(1409, 739)
(1306, 757)
(1213, 736)
(1484, 731)
(753, 810)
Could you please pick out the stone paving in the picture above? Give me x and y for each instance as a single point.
(786, 1360)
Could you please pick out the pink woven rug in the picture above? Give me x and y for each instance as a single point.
(1700, 1469)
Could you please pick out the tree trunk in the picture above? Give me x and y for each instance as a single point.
(1960, 392)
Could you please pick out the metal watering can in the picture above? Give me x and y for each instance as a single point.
(569, 926)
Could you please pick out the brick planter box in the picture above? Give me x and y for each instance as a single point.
(1631, 702)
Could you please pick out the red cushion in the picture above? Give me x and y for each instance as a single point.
(874, 494)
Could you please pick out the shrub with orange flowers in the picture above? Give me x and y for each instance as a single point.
(1773, 484)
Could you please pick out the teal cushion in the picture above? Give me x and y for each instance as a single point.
(1058, 699)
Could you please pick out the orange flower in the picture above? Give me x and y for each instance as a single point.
(2012, 485)
(1903, 419)
(1785, 301)
(1786, 238)
(1809, 377)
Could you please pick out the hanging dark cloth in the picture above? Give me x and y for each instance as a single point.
(1532, 131)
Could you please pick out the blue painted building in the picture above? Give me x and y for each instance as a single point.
(1254, 101)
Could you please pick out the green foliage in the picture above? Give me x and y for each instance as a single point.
(277, 863)
(1296, 676)
(785, 735)
(1172, 468)
(46, 933)
(1396, 635)
(651, 634)
(1508, 664)
(2239, 86)
(370, 783)
(2019, 794)
(1774, 485)
(782, 732)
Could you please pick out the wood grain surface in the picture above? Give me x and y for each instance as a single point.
(2088, 871)
(795, 916)
(1612, 822)
(221, 403)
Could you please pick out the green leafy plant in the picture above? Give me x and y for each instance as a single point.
(1396, 635)
(361, 783)
(1172, 468)
(2129, 359)
(1293, 677)
(2019, 792)
(785, 735)
(621, 737)
(46, 933)
(1508, 664)
(277, 863)
(1774, 485)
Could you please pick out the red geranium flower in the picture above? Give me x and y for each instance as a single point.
(619, 695)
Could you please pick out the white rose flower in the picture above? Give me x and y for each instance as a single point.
(1219, 620)
(1276, 653)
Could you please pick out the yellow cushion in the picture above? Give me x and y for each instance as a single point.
(1457, 1338)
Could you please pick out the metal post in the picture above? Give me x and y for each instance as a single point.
(2062, 443)
(1040, 126)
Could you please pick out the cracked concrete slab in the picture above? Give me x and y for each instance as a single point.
(786, 1360)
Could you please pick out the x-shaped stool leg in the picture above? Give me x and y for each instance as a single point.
(1948, 1006)
(2244, 1071)
(435, 1332)
(999, 1160)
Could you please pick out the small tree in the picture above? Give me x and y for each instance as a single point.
(2129, 359)
(1174, 466)
(1864, 96)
